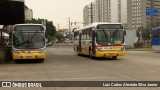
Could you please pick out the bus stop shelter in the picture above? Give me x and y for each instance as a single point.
(11, 12)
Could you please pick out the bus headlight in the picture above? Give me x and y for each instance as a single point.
(100, 49)
(42, 51)
(121, 49)
(15, 52)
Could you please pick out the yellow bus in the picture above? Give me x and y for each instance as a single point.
(28, 42)
(100, 40)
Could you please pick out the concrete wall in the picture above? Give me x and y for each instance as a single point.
(130, 38)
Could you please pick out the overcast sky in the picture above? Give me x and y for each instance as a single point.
(58, 11)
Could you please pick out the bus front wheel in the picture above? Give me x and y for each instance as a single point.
(41, 60)
(91, 55)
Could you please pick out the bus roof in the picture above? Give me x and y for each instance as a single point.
(94, 25)
(156, 28)
(27, 24)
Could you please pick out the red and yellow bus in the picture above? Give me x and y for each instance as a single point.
(28, 42)
(100, 40)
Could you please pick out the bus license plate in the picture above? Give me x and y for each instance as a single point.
(111, 54)
(28, 57)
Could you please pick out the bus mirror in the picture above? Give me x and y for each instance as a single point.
(125, 32)
(45, 34)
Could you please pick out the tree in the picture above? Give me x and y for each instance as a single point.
(51, 30)
(59, 36)
(146, 32)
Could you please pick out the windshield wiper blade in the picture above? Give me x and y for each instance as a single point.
(115, 33)
(105, 34)
(27, 41)
(22, 35)
(34, 35)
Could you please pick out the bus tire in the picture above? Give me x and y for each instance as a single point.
(91, 54)
(42, 60)
(114, 57)
(78, 52)
(16, 61)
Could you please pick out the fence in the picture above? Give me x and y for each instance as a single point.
(143, 44)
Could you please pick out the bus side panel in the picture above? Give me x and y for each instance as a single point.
(156, 44)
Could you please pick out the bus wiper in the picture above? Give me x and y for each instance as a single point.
(27, 41)
(115, 33)
(34, 35)
(22, 35)
(105, 34)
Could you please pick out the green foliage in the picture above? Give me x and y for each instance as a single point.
(35, 21)
(51, 30)
(146, 32)
(59, 36)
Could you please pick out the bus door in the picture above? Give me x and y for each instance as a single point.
(80, 46)
(93, 41)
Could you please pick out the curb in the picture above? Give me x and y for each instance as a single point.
(140, 49)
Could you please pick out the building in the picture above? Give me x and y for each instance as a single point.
(94, 12)
(87, 14)
(28, 13)
(106, 11)
(137, 13)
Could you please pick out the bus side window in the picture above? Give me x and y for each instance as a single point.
(87, 34)
(125, 33)
(158, 34)
(83, 34)
(90, 33)
(76, 34)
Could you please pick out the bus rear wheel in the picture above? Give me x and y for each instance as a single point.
(78, 52)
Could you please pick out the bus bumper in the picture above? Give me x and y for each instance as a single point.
(29, 56)
(109, 53)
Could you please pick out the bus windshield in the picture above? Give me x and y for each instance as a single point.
(28, 40)
(110, 36)
(156, 33)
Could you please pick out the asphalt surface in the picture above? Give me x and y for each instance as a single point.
(62, 64)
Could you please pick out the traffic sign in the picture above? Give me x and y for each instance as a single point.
(152, 11)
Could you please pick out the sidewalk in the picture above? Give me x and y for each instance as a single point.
(140, 49)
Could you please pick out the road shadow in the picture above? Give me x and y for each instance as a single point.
(156, 51)
(101, 58)
(23, 62)
(28, 61)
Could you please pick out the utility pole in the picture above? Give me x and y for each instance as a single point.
(58, 27)
(69, 24)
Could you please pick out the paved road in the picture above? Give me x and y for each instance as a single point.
(62, 64)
